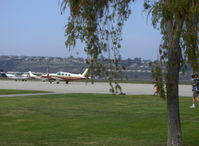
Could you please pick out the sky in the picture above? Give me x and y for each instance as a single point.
(36, 28)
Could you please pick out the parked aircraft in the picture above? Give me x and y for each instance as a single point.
(16, 77)
(61, 76)
(37, 76)
(3, 74)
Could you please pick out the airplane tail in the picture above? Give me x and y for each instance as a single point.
(31, 74)
(85, 73)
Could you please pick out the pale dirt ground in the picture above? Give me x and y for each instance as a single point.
(82, 87)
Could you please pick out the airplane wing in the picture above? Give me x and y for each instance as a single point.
(55, 78)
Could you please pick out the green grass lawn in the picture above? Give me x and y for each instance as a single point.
(9, 91)
(90, 119)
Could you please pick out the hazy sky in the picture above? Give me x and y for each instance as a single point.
(36, 28)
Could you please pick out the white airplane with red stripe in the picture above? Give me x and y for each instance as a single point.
(61, 76)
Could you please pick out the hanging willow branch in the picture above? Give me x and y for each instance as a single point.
(98, 24)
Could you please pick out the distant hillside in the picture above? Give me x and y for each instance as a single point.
(136, 69)
(41, 64)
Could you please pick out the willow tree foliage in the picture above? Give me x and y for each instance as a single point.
(98, 24)
(184, 18)
(178, 22)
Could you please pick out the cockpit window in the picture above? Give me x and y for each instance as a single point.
(60, 73)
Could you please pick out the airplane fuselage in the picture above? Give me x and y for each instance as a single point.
(61, 76)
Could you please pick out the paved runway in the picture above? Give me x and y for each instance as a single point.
(82, 87)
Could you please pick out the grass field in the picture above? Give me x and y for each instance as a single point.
(91, 119)
(9, 91)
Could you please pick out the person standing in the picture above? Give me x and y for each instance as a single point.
(195, 89)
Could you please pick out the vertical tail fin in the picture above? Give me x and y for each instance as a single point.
(85, 73)
(31, 74)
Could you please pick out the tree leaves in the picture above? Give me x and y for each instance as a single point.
(183, 13)
(98, 24)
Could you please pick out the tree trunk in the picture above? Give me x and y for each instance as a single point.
(174, 54)
(174, 125)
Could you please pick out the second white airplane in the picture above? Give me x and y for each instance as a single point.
(15, 76)
(61, 76)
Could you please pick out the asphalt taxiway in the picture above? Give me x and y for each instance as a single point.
(82, 87)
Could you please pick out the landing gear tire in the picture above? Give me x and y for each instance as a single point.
(66, 82)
